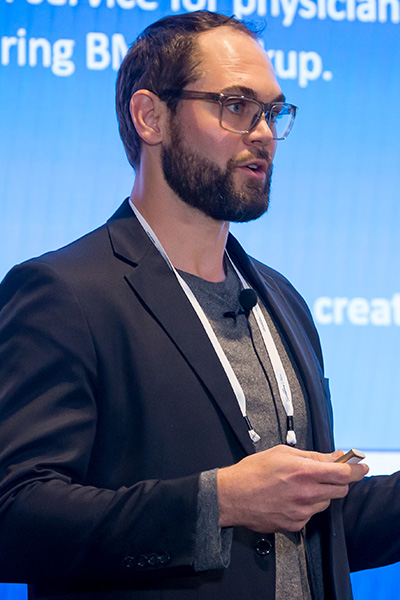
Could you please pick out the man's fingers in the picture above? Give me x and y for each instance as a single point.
(317, 456)
(335, 455)
(322, 457)
(326, 470)
(342, 474)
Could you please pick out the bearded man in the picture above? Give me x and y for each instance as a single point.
(165, 421)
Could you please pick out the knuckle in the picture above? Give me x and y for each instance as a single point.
(301, 513)
(325, 505)
(343, 491)
(305, 496)
(296, 524)
(344, 476)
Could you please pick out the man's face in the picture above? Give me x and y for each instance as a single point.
(207, 166)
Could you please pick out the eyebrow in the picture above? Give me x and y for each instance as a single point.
(242, 90)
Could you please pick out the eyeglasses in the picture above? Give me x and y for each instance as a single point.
(240, 114)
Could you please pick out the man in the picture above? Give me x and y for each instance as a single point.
(147, 420)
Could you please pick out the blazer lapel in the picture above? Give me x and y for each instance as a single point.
(152, 280)
(147, 271)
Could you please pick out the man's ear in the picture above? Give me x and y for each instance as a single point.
(149, 115)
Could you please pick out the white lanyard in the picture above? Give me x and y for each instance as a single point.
(280, 375)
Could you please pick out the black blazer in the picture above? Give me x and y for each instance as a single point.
(112, 401)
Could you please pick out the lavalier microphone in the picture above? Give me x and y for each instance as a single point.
(247, 300)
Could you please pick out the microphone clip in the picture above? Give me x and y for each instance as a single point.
(247, 300)
(231, 314)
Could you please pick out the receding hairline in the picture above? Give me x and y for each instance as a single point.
(197, 50)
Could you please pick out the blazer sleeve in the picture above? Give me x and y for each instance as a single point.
(371, 514)
(50, 521)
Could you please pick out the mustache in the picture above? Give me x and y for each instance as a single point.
(257, 154)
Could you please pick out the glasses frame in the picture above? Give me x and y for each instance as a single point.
(264, 108)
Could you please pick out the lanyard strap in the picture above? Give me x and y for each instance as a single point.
(233, 380)
(280, 374)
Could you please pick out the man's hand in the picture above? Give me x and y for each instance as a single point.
(280, 489)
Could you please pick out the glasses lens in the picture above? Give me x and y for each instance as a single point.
(239, 114)
(280, 120)
(242, 114)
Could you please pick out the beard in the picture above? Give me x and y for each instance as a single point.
(203, 184)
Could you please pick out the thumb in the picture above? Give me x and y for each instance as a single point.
(335, 455)
(328, 457)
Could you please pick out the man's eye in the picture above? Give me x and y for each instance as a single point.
(278, 111)
(236, 107)
(275, 113)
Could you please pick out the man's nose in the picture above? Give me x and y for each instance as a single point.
(262, 133)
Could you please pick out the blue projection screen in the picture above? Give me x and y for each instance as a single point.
(333, 226)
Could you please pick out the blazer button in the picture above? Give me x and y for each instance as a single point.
(163, 558)
(129, 562)
(263, 547)
(141, 560)
(152, 560)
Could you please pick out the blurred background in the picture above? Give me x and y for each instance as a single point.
(333, 225)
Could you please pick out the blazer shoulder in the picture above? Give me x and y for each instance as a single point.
(76, 261)
(91, 248)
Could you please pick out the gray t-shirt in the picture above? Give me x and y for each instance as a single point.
(243, 345)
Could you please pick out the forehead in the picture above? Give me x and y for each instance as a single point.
(233, 58)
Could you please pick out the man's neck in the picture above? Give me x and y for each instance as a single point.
(194, 242)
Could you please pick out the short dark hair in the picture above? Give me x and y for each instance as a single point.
(163, 57)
